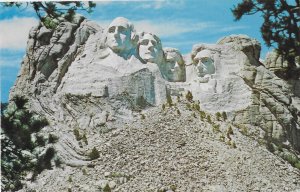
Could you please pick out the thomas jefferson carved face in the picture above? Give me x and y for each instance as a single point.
(174, 66)
(119, 35)
(204, 63)
(150, 48)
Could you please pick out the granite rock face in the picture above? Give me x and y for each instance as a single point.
(91, 79)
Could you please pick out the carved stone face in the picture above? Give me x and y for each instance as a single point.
(150, 48)
(119, 35)
(204, 63)
(174, 66)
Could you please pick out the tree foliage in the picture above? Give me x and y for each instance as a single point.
(280, 29)
(53, 10)
(18, 148)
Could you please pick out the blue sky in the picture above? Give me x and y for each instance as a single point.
(179, 24)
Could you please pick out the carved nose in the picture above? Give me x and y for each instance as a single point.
(150, 48)
(150, 44)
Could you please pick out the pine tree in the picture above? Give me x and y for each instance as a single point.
(47, 11)
(281, 29)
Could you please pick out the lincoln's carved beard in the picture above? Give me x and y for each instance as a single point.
(150, 49)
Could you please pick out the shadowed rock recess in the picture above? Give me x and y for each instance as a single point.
(121, 94)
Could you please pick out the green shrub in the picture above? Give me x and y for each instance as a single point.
(70, 179)
(243, 129)
(173, 187)
(84, 172)
(163, 107)
(20, 101)
(218, 116)
(188, 106)
(37, 124)
(169, 100)
(222, 138)
(143, 116)
(280, 148)
(57, 161)
(297, 165)
(196, 106)
(52, 138)
(189, 96)
(106, 188)
(292, 159)
(202, 115)
(77, 134)
(178, 112)
(209, 119)
(40, 140)
(224, 115)
(229, 130)
(216, 128)
(49, 23)
(233, 144)
(94, 154)
(270, 147)
(44, 162)
(84, 139)
(228, 142)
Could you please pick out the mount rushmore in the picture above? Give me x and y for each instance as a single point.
(133, 70)
(92, 79)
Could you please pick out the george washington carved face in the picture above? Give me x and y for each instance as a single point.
(119, 35)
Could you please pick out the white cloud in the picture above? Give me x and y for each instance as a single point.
(182, 43)
(14, 32)
(232, 28)
(158, 4)
(166, 28)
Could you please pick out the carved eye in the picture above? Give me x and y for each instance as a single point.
(111, 30)
(196, 60)
(154, 43)
(204, 59)
(121, 29)
(145, 42)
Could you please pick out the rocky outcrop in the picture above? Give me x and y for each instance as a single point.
(49, 53)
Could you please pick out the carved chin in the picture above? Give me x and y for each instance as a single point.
(148, 57)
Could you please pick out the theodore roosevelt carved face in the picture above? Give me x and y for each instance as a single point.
(174, 67)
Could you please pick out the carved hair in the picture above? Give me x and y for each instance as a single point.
(200, 47)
